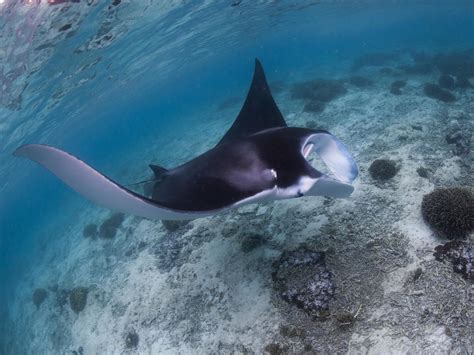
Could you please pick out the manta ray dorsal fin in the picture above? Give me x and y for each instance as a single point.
(159, 171)
(259, 111)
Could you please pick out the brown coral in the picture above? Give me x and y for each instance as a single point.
(449, 211)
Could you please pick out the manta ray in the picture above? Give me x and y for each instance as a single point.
(259, 159)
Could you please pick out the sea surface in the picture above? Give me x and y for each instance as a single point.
(124, 84)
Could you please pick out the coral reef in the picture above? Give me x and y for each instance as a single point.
(374, 59)
(446, 82)
(360, 81)
(90, 231)
(461, 256)
(460, 138)
(417, 69)
(173, 226)
(314, 107)
(318, 92)
(324, 90)
(229, 103)
(39, 295)
(302, 278)
(419, 57)
(276, 349)
(276, 87)
(459, 64)
(109, 227)
(312, 124)
(79, 351)
(61, 296)
(386, 71)
(131, 340)
(449, 211)
(435, 92)
(78, 298)
(395, 91)
(423, 172)
(383, 169)
(251, 242)
(463, 82)
(396, 86)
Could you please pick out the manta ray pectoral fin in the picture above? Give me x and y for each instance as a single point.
(334, 154)
(97, 187)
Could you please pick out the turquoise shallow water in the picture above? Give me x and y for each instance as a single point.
(113, 82)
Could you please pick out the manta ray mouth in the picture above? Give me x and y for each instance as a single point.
(337, 160)
(333, 162)
(316, 162)
(307, 149)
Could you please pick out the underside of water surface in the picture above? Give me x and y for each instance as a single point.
(125, 84)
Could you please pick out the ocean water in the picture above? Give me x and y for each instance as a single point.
(124, 84)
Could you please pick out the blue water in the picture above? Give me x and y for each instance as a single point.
(103, 120)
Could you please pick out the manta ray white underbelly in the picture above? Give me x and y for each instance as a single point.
(259, 159)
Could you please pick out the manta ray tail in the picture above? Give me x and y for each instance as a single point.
(97, 187)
